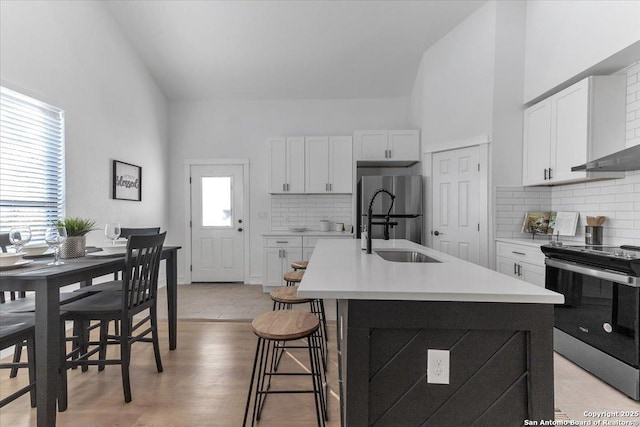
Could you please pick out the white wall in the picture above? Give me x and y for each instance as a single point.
(71, 55)
(458, 80)
(507, 124)
(565, 38)
(239, 129)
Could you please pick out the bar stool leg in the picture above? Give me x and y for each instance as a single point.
(253, 375)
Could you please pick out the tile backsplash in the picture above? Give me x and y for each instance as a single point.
(306, 210)
(617, 199)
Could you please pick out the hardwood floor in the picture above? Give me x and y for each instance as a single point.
(204, 383)
(205, 380)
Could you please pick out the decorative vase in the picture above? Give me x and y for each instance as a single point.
(73, 247)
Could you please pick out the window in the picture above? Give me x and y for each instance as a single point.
(31, 163)
(216, 201)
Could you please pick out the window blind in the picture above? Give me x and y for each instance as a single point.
(31, 163)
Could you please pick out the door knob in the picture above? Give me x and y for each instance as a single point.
(436, 233)
(240, 229)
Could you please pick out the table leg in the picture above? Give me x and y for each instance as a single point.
(47, 351)
(172, 297)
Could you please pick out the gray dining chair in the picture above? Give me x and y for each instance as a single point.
(137, 296)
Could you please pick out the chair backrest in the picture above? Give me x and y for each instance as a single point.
(126, 232)
(4, 241)
(140, 277)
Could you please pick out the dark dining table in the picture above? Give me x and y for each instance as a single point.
(46, 282)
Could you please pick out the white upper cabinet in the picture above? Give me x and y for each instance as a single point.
(580, 123)
(387, 145)
(329, 164)
(287, 165)
(537, 143)
(404, 145)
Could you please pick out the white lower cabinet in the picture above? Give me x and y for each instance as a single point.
(280, 251)
(524, 262)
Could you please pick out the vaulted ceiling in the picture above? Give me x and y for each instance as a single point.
(285, 49)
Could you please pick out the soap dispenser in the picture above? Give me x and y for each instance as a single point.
(363, 238)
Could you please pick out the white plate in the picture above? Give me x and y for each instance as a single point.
(9, 259)
(18, 264)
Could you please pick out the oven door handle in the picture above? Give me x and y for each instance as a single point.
(593, 272)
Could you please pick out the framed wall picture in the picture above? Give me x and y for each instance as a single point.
(127, 181)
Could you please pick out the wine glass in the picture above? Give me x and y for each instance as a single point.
(19, 236)
(55, 236)
(112, 231)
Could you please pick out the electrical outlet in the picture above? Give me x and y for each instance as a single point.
(437, 366)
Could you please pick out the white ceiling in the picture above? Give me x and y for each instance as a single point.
(285, 49)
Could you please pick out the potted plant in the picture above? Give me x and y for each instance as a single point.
(77, 229)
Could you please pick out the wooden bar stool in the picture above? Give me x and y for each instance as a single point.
(299, 265)
(293, 277)
(284, 298)
(284, 325)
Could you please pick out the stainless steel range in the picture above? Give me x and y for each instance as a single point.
(598, 326)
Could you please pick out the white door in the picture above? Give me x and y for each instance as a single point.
(404, 145)
(569, 132)
(455, 197)
(341, 164)
(316, 153)
(371, 145)
(217, 238)
(537, 144)
(277, 164)
(295, 164)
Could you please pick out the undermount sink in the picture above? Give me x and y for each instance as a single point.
(404, 256)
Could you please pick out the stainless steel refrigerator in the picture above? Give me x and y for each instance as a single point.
(408, 192)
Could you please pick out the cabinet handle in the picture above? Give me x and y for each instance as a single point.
(389, 153)
(515, 268)
(550, 173)
(519, 270)
(545, 174)
(282, 241)
(326, 187)
(283, 187)
(519, 253)
(330, 187)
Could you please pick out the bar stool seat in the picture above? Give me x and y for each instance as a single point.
(299, 265)
(277, 326)
(288, 295)
(285, 325)
(292, 277)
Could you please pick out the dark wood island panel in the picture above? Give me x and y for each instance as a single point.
(501, 363)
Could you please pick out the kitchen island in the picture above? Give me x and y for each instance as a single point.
(498, 331)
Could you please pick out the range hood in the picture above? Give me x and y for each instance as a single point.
(621, 161)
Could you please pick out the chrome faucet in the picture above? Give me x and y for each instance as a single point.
(386, 223)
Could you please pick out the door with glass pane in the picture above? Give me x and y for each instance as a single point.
(217, 239)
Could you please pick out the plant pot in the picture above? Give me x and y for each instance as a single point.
(73, 247)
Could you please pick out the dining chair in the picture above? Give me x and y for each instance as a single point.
(137, 295)
(4, 242)
(19, 303)
(18, 329)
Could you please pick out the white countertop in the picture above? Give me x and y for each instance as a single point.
(527, 242)
(566, 240)
(340, 269)
(312, 233)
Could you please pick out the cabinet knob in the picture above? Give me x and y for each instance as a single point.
(240, 229)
